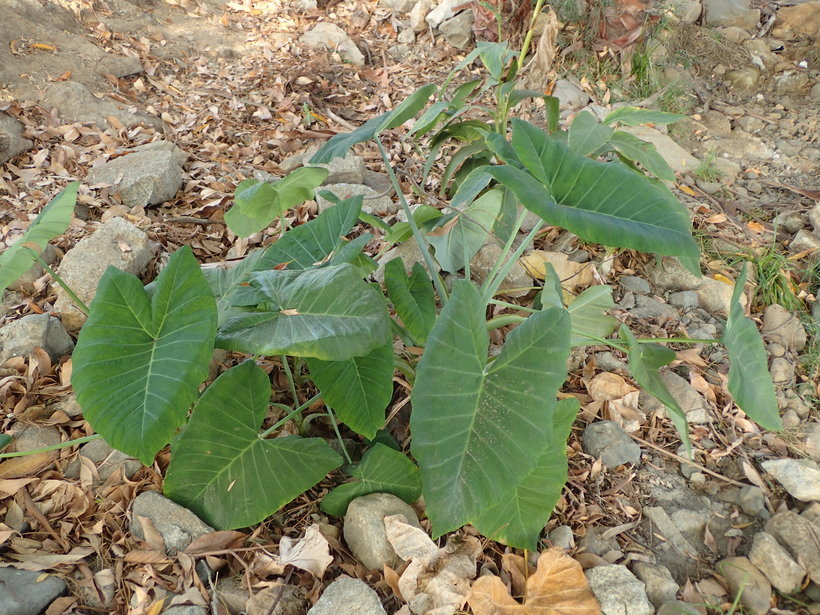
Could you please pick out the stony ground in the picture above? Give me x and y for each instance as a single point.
(162, 108)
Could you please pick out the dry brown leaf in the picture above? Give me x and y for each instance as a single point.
(27, 465)
(11, 487)
(517, 569)
(215, 541)
(558, 587)
(41, 560)
(310, 553)
(572, 275)
(607, 386)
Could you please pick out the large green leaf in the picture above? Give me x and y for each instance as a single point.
(749, 380)
(224, 472)
(588, 318)
(518, 518)
(143, 353)
(602, 202)
(632, 116)
(257, 203)
(476, 424)
(328, 313)
(381, 470)
(358, 388)
(586, 135)
(646, 153)
(412, 296)
(341, 143)
(644, 362)
(228, 280)
(52, 221)
(459, 237)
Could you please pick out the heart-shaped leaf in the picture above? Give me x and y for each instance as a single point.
(223, 471)
(632, 116)
(646, 153)
(143, 353)
(412, 296)
(586, 135)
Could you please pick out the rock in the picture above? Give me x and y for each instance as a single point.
(26, 282)
(517, 283)
(408, 251)
(716, 297)
(20, 337)
(398, 6)
(418, 15)
(782, 371)
(799, 536)
(330, 36)
(178, 526)
(458, 30)
(814, 214)
(608, 362)
(152, 174)
(800, 477)
(445, 10)
(570, 97)
(744, 79)
(594, 542)
(346, 596)
(814, 94)
(343, 170)
(812, 513)
(660, 586)
(399, 52)
(761, 53)
(25, 592)
(117, 242)
(30, 437)
(678, 607)
(289, 600)
(407, 36)
(373, 204)
(691, 402)
(774, 561)
(751, 500)
(669, 274)
(684, 299)
(618, 591)
(106, 459)
(812, 440)
(185, 609)
(364, 529)
(635, 284)
(563, 537)
(735, 34)
(675, 547)
(12, 142)
(789, 221)
(74, 102)
(687, 11)
(748, 582)
(649, 308)
(790, 82)
(803, 241)
(231, 594)
(725, 13)
(784, 327)
(607, 440)
(676, 157)
(803, 18)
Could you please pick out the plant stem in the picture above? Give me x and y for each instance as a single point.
(289, 416)
(291, 386)
(72, 295)
(425, 253)
(53, 447)
(528, 38)
(675, 340)
(513, 306)
(504, 320)
(338, 435)
(499, 271)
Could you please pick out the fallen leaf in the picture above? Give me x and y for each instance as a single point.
(607, 386)
(572, 275)
(310, 553)
(558, 587)
(215, 541)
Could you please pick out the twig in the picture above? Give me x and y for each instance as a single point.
(192, 220)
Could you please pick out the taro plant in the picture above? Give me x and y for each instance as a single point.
(488, 433)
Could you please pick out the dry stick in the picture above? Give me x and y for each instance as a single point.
(689, 461)
(192, 220)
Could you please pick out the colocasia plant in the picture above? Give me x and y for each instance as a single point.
(488, 433)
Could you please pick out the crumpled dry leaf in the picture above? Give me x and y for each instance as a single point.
(607, 386)
(42, 560)
(558, 587)
(572, 275)
(436, 581)
(310, 553)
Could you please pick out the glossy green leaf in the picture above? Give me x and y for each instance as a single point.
(5, 440)
(588, 318)
(495, 57)
(358, 389)
(475, 423)
(339, 145)
(328, 313)
(749, 380)
(519, 517)
(458, 239)
(258, 203)
(51, 222)
(428, 120)
(413, 298)
(142, 354)
(632, 116)
(602, 202)
(516, 96)
(227, 280)
(224, 472)
(586, 135)
(381, 470)
(641, 151)
(401, 231)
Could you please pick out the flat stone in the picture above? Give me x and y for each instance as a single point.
(678, 607)
(444, 10)
(751, 500)
(607, 440)
(20, 337)
(800, 477)
(458, 30)
(118, 243)
(724, 13)
(562, 536)
(150, 175)
(343, 170)
(107, 460)
(687, 11)
(774, 561)
(25, 592)
(684, 299)
(675, 156)
(618, 591)
(418, 15)
(697, 409)
(373, 203)
(715, 296)
(348, 596)
(12, 142)
(660, 586)
(744, 79)
(74, 102)
(570, 96)
(232, 594)
(364, 529)
(178, 526)
(734, 34)
(799, 535)
(669, 274)
(517, 283)
(784, 327)
(399, 6)
(330, 36)
(804, 240)
(748, 582)
(635, 284)
(649, 308)
(801, 19)
(782, 371)
(594, 542)
(277, 600)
